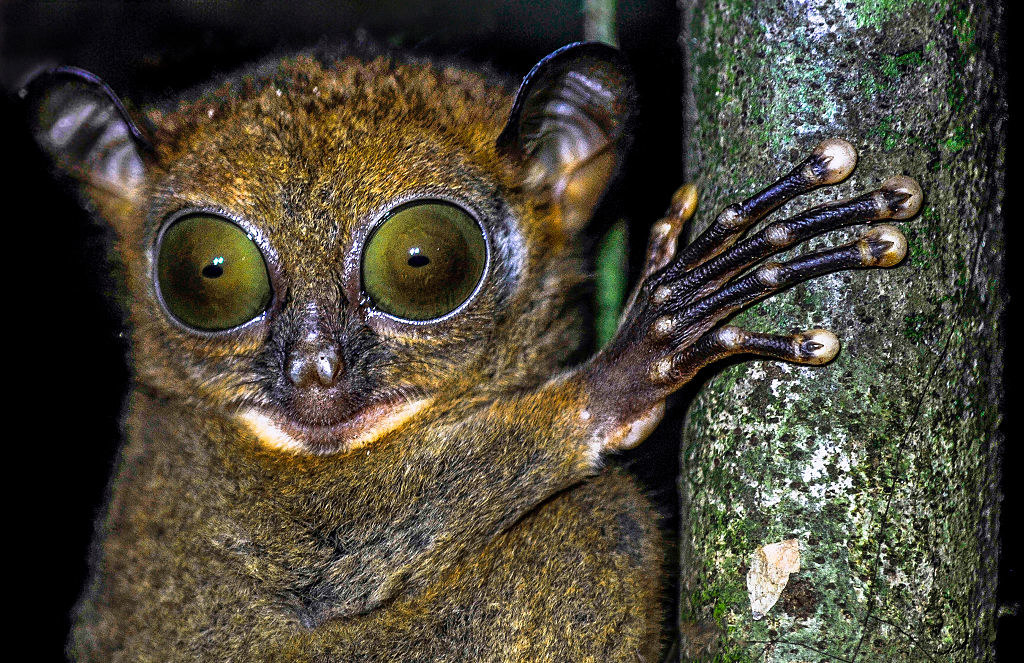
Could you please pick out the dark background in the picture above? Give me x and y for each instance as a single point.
(65, 352)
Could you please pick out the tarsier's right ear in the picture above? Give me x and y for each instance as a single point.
(570, 127)
(87, 132)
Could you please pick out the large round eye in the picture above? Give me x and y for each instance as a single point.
(211, 274)
(424, 260)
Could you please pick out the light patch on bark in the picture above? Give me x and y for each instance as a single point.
(770, 568)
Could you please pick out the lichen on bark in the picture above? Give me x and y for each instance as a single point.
(885, 463)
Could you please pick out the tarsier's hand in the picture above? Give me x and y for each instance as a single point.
(669, 329)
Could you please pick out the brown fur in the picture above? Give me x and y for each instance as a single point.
(474, 531)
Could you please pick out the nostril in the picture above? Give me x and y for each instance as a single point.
(320, 366)
(327, 366)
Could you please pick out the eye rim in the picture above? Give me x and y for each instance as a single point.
(423, 198)
(270, 262)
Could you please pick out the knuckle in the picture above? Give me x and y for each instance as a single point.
(778, 234)
(730, 217)
(661, 294)
(661, 370)
(730, 338)
(663, 327)
(770, 274)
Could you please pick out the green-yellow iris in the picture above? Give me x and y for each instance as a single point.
(211, 274)
(424, 261)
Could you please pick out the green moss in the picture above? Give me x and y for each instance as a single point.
(734, 655)
(878, 13)
(896, 65)
(963, 29)
(958, 140)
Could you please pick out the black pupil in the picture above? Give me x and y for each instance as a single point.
(423, 261)
(212, 271)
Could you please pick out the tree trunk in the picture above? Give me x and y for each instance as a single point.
(885, 464)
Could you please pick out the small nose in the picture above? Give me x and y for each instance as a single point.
(308, 366)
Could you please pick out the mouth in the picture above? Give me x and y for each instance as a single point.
(371, 422)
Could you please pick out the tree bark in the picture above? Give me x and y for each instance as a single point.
(885, 464)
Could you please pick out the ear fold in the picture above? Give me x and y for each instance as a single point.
(570, 125)
(79, 121)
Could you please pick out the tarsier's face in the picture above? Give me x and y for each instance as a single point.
(330, 243)
(320, 254)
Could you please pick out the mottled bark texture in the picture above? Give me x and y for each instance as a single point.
(885, 463)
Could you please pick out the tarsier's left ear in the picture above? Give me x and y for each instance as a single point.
(570, 125)
(87, 132)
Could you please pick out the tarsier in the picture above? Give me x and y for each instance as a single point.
(350, 434)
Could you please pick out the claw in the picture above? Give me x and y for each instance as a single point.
(831, 162)
(882, 246)
(816, 346)
(911, 194)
